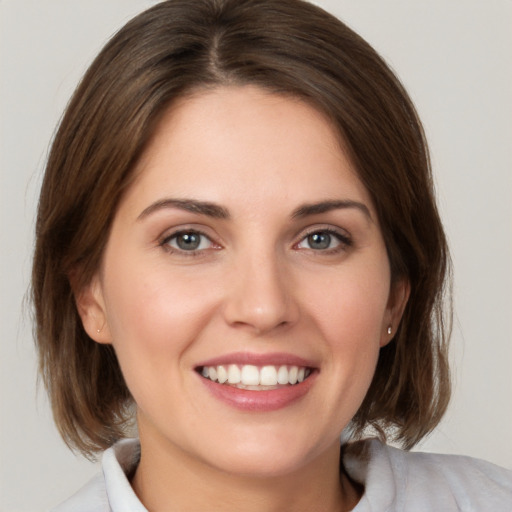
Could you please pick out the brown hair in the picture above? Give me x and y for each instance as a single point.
(286, 46)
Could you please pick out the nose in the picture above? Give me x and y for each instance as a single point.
(261, 295)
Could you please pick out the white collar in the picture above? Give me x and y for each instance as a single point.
(119, 461)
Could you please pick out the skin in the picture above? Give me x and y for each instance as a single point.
(255, 285)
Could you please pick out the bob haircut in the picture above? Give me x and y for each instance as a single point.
(288, 47)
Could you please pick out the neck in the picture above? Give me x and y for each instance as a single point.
(171, 480)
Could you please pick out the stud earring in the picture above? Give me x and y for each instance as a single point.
(390, 330)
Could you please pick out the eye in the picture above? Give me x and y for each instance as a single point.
(324, 240)
(188, 241)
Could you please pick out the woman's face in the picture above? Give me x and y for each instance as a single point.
(247, 248)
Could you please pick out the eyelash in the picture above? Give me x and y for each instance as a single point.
(165, 242)
(344, 242)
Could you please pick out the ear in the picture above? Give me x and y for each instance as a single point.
(91, 308)
(398, 297)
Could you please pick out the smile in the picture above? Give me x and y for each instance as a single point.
(254, 377)
(260, 383)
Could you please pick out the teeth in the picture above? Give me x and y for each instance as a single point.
(234, 374)
(222, 374)
(212, 373)
(268, 376)
(250, 375)
(282, 375)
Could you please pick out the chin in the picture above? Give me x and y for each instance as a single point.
(261, 466)
(263, 456)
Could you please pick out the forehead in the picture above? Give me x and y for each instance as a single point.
(243, 141)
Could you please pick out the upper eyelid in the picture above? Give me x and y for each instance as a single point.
(166, 239)
(167, 235)
(173, 231)
(309, 230)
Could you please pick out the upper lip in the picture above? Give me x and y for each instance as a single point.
(243, 358)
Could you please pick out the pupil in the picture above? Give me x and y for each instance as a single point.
(319, 240)
(188, 241)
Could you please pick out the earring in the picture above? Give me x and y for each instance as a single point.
(390, 330)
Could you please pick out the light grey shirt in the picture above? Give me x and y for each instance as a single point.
(394, 481)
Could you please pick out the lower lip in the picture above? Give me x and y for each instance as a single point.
(259, 401)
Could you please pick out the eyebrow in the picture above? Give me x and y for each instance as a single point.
(327, 206)
(190, 205)
(219, 212)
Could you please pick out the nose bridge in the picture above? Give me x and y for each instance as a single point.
(260, 295)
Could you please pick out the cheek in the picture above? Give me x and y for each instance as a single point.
(153, 319)
(351, 317)
(153, 316)
(351, 306)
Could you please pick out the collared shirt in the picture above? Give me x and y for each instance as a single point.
(394, 481)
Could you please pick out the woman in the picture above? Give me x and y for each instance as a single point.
(238, 244)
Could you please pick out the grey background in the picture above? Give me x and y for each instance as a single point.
(453, 56)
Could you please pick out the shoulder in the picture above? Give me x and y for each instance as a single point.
(110, 490)
(424, 481)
